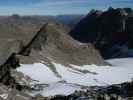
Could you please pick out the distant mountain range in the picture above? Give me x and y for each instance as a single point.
(69, 20)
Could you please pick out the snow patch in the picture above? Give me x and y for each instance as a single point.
(74, 76)
(4, 96)
(59, 88)
(38, 72)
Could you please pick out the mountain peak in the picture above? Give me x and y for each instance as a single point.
(54, 43)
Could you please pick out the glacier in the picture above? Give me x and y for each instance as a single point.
(75, 77)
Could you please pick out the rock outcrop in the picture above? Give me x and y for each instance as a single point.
(7, 93)
(15, 33)
(21, 27)
(52, 42)
(110, 31)
(8, 49)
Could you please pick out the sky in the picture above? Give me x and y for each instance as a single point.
(57, 7)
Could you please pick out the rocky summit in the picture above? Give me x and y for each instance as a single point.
(15, 33)
(110, 31)
(28, 41)
(53, 43)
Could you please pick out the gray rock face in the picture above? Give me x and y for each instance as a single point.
(50, 42)
(108, 30)
(21, 27)
(53, 42)
(7, 93)
(7, 48)
(15, 33)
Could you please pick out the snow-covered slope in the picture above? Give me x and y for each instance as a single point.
(76, 77)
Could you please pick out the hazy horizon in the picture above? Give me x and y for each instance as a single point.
(58, 7)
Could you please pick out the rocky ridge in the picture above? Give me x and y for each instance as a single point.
(53, 43)
(50, 43)
(110, 31)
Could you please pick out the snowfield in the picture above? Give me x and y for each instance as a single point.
(74, 77)
(38, 72)
(59, 88)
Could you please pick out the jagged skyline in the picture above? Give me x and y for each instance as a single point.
(56, 7)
